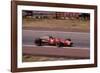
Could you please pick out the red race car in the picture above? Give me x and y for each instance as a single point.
(49, 40)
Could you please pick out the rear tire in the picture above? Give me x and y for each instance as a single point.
(38, 42)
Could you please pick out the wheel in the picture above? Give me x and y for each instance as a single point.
(71, 45)
(38, 42)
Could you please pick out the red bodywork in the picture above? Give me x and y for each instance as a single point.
(53, 41)
(58, 40)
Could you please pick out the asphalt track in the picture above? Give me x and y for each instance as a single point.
(79, 50)
(80, 39)
(58, 52)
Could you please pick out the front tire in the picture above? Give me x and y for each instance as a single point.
(71, 45)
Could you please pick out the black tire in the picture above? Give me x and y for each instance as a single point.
(38, 42)
(71, 45)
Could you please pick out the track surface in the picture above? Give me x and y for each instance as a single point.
(79, 39)
(57, 52)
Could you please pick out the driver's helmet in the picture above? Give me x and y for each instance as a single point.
(51, 37)
(68, 39)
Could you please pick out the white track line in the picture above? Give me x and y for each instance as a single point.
(53, 47)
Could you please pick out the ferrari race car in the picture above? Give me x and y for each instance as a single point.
(51, 41)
